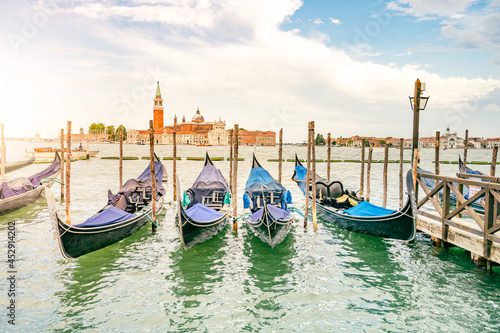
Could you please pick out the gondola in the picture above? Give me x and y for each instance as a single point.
(24, 191)
(342, 207)
(203, 209)
(266, 203)
(126, 212)
(9, 167)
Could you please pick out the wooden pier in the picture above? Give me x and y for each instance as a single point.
(475, 230)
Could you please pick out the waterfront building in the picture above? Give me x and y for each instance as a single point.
(195, 132)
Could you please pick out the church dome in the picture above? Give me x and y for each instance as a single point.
(198, 118)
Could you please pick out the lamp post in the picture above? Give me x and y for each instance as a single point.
(417, 103)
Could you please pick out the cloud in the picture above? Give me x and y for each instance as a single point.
(318, 21)
(247, 78)
(335, 21)
(425, 8)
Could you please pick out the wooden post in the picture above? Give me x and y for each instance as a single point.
(308, 173)
(2, 172)
(153, 173)
(121, 157)
(62, 164)
(235, 176)
(88, 149)
(386, 160)
(401, 179)
(416, 120)
(313, 148)
(231, 140)
(280, 156)
(329, 153)
(174, 164)
(368, 168)
(494, 161)
(436, 155)
(466, 141)
(362, 183)
(68, 174)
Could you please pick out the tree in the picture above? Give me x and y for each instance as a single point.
(320, 140)
(382, 142)
(110, 131)
(334, 143)
(97, 128)
(124, 133)
(82, 131)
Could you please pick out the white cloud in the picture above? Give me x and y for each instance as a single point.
(318, 21)
(335, 21)
(424, 8)
(247, 79)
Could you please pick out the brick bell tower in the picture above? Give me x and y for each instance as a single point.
(158, 109)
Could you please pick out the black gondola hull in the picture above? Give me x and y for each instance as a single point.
(192, 232)
(269, 230)
(75, 242)
(399, 225)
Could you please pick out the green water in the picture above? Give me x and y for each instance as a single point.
(319, 280)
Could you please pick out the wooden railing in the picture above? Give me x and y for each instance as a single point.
(485, 215)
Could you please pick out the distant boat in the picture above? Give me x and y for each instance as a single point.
(9, 167)
(24, 191)
(48, 152)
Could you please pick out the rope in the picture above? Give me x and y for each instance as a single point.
(297, 211)
(50, 179)
(239, 217)
(148, 217)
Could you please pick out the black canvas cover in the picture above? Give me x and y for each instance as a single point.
(210, 185)
(15, 187)
(273, 193)
(138, 191)
(22, 185)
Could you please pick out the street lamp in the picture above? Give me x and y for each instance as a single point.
(417, 103)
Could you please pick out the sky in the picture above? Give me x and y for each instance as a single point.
(263, 64)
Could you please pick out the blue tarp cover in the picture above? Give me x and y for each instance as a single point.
(257, 215)
(201, 212)
(158, 172)
(364, 208)
(278, 213)
(108, 216)
(259, 175)
(301, 174)
(209, 174)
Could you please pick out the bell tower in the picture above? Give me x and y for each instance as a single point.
(158, 109)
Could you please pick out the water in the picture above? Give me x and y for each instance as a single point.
(327, 279)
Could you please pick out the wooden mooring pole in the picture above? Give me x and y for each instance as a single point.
(235, 176)
(436, 154)
(68, 174)
(368, 169)
(120, 133)
(174, 164)
(280, 156)
(3, 157)
(329, 156)
(386, 161)
(362, 183)
(308, 173)
(401, 179)
(231, 139)
(494, 161)
(63, 160)
(313, 153)
(153, 173)
(466, 142)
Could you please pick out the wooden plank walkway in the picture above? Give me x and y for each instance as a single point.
(461, 232)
